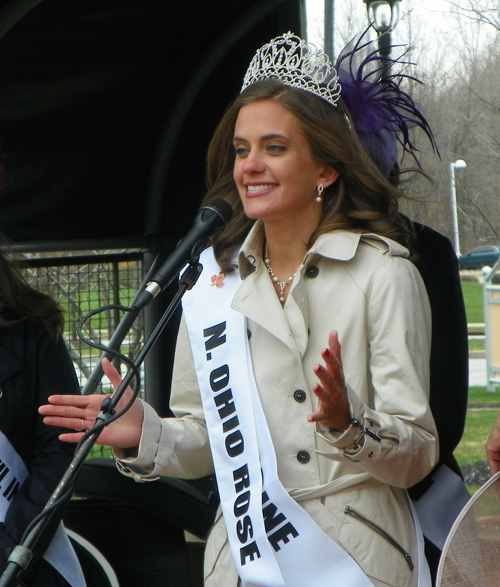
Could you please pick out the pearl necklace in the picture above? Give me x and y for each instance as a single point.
(281, 284)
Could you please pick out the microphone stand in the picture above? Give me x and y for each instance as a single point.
(21, 555)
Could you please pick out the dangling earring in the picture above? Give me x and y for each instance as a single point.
(319, 197)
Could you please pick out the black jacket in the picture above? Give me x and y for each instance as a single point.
(449, 363)
(33, 367)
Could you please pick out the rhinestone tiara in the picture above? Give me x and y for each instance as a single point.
(295, 63)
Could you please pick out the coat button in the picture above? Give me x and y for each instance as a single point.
(303, 457)
(299, 396)
(249, 333)
(312, 271)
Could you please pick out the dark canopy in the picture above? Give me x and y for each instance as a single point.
(107, 106)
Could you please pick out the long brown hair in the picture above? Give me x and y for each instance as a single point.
(19, 302)
(361, 199)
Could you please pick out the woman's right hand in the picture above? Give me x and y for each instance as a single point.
(77, 411)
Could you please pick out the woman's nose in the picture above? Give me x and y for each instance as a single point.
(253, 163)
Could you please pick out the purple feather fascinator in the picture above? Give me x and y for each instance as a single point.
(381, 111)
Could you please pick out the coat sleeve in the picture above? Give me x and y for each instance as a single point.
(46, 369)
(394, 438)
(174, 447)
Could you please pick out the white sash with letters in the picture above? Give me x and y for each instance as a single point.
(270, 535)
(60, 553)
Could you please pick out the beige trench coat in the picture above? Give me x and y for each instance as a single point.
(374, 297)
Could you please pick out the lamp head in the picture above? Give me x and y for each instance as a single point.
(383, 14)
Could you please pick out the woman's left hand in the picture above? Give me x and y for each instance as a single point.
(333, 406)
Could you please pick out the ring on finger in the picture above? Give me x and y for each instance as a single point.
(82, 429)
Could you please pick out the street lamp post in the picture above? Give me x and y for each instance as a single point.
(458, 164)
(328, 19)
(383, 15)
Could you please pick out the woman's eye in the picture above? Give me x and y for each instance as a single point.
(276, 148)
(240, 151)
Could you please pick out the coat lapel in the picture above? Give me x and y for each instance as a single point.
(268, 314)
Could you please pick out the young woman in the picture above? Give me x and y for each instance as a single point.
(313, 446)
(34, 363)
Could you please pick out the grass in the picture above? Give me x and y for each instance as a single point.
(483, 405)
(479, 395)
(483, 409)
(477, 429)
(473, 298)
(477, 344)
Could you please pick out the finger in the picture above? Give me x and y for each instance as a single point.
(329, 404)
(334, 344)
(111, 373)
(334, 365)
(322, 394)
(332, 382)
(73, 437)
(63, 411)
(317, 416)
(61, 422)
(332, 409)
(79, 401)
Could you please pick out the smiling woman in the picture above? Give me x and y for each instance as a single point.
(313, 446)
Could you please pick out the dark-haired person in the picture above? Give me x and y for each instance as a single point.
(313, 443)
(34, 362)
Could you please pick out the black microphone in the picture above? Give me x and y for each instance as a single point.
(210, 220)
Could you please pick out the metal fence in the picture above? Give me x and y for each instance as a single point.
(83, 283)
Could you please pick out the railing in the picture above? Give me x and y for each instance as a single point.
(491, 296)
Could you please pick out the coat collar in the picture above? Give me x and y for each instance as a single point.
(338, 245)
(290, 325)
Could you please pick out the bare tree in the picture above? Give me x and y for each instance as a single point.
(462, 105)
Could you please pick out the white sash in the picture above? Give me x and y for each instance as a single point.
(440, 505)
(270, 535)
(60, 553)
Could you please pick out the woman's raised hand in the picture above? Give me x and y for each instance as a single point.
(333, 405)
(79, 411)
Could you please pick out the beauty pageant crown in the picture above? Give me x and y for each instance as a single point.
(297, 64)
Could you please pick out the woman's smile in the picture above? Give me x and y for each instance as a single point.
(258, 190)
